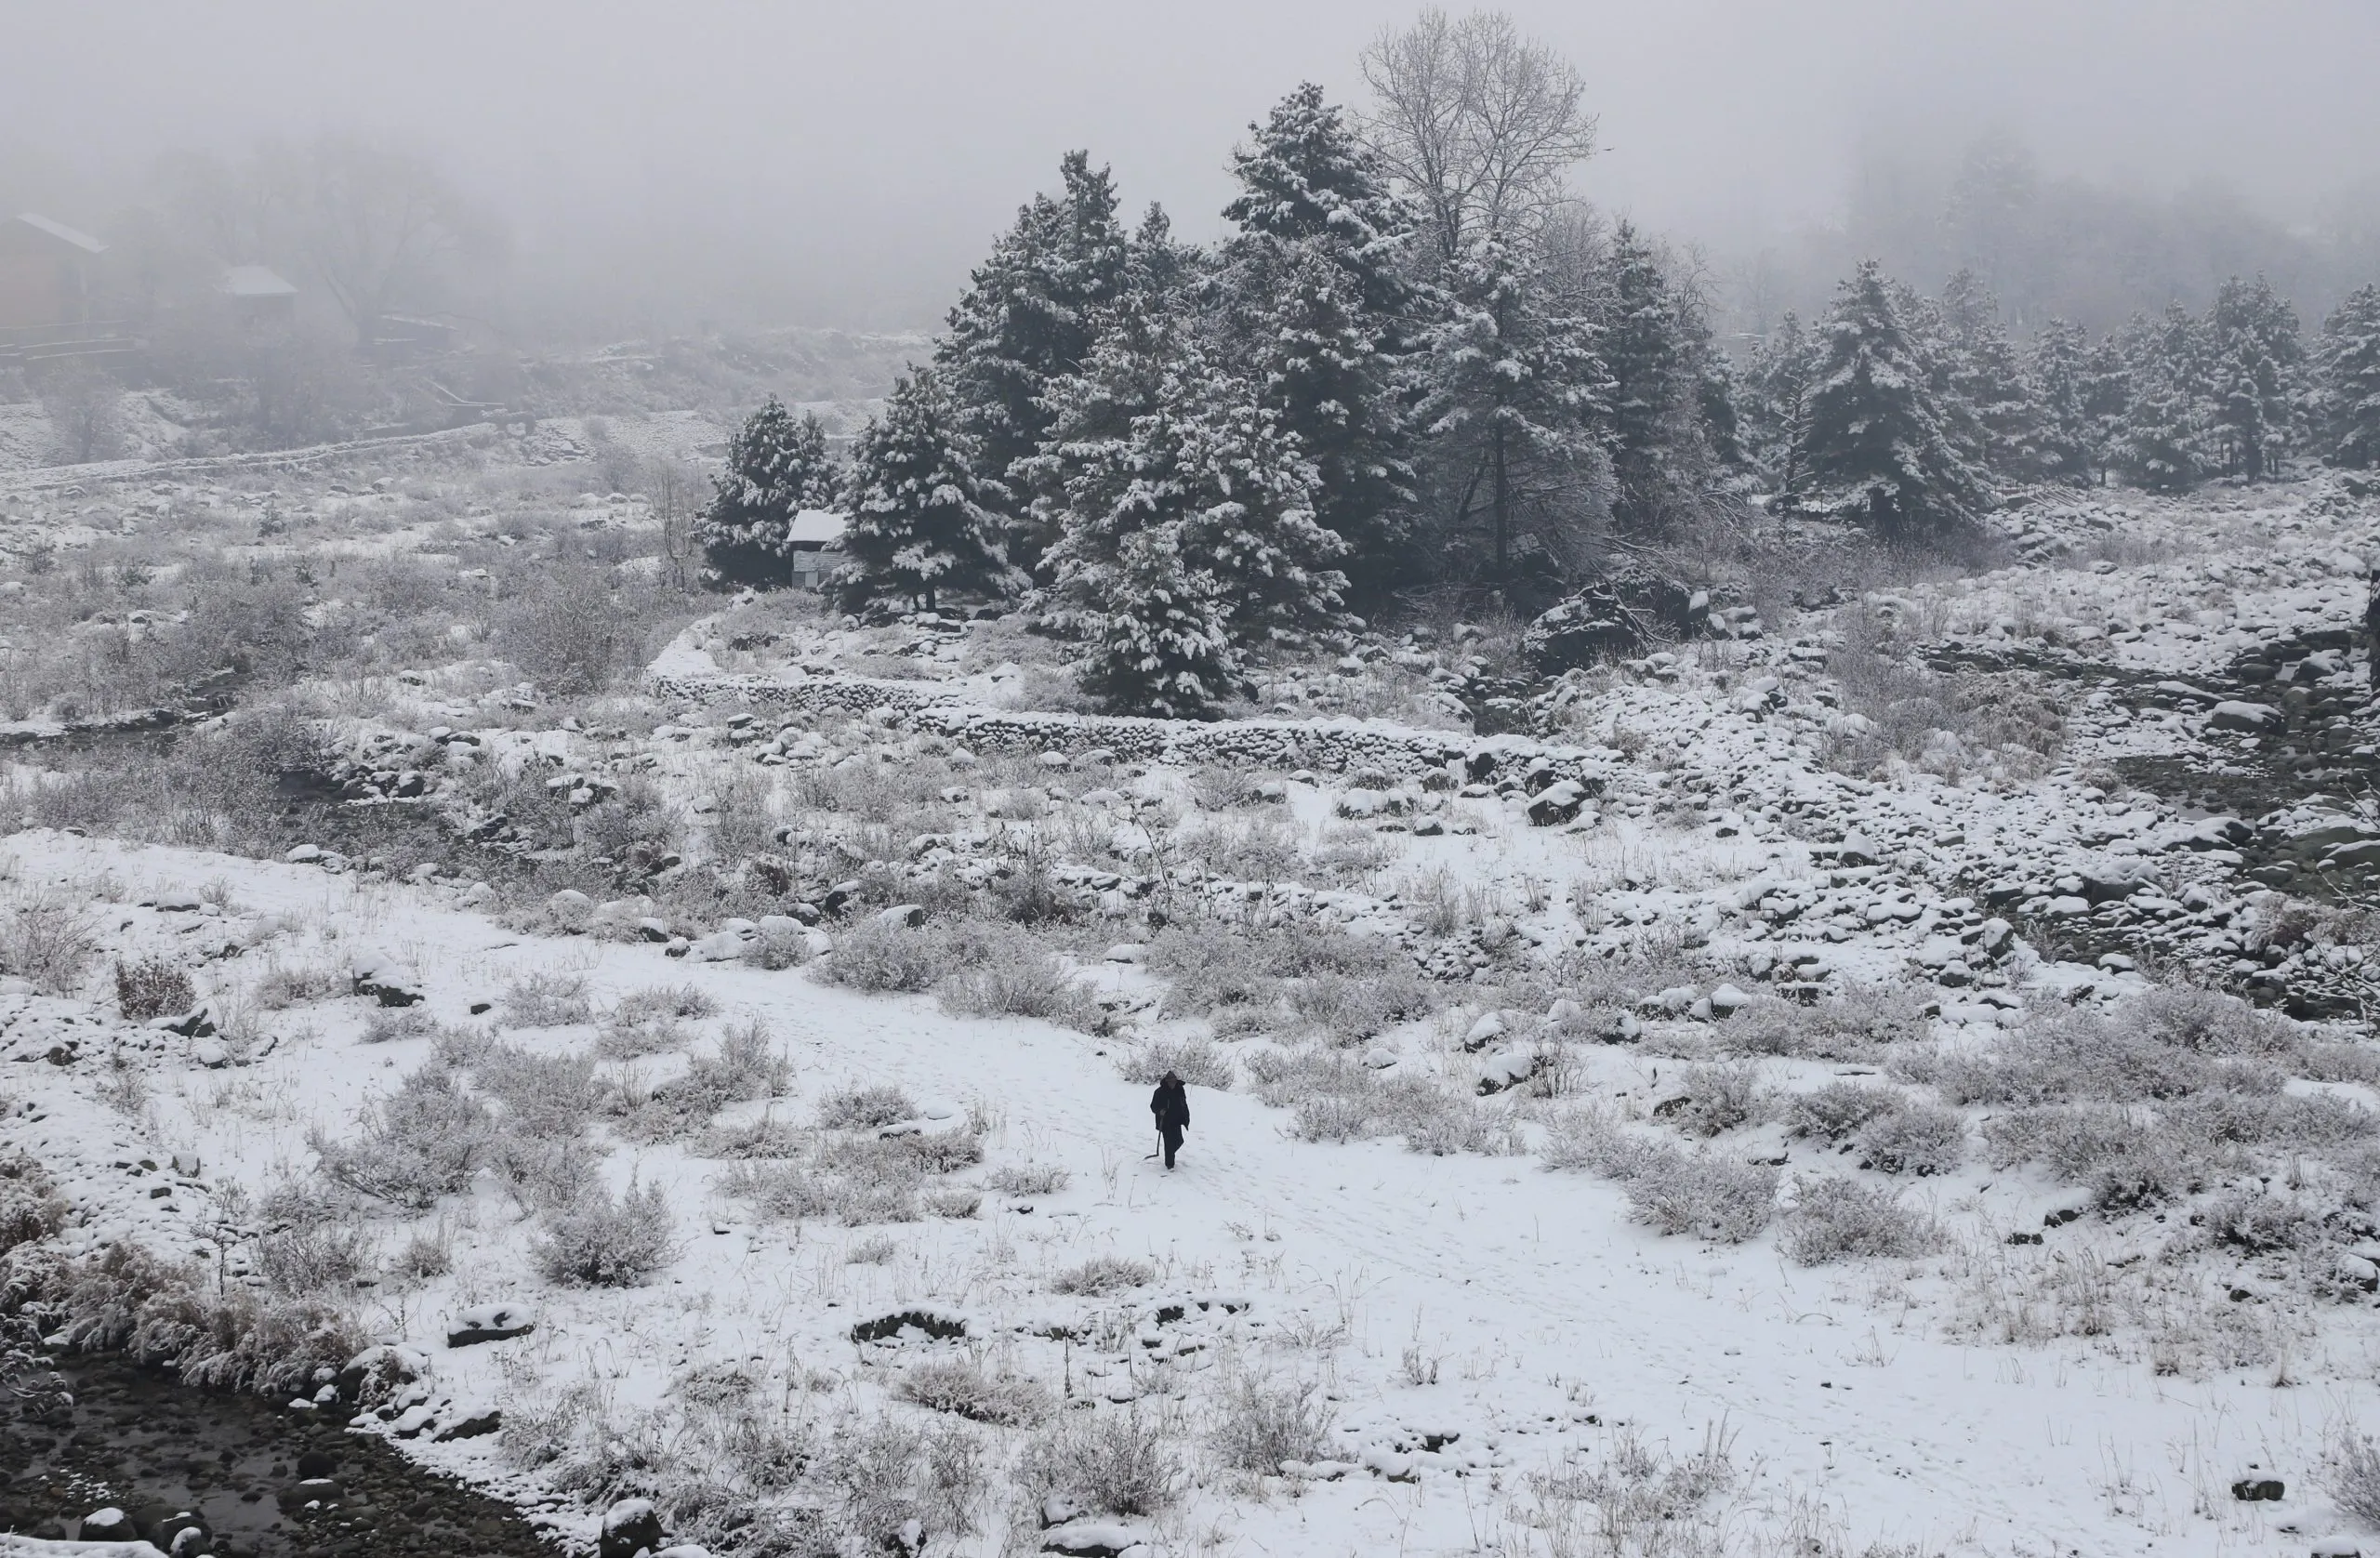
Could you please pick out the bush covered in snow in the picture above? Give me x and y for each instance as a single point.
(1839, 1219)
(1113, 1460)
(595, 1241)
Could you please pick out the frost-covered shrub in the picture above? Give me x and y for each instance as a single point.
(764, 1137)
(51, 945)
(1260, 1423)
(545, 1096)
(1112, 1459)
(307, 1260)
(888, 1473)
(1859, 1023)
(885, 957)
(1717, 1099)
(548, 1000)
(31, 1209)
(1024, 981)
(747, 1068)
(1839, 1219)
(2351, 1472)
(965, 1389)
(1915, 1139)
(1101, 1275)
(2123, 1155)
(664, 1000)
(2082, 1057)
(286, 986)
(1027, 1178)
(2260, 1223)
(152, 987)
(778, 947)
(1834, 1110)
(2205, 1022)
(1197, 1063)
(424, 1141)
(1668, 1189)
(598, 1242)
(1349, 1009)
(544, 1173)
(864, 1108)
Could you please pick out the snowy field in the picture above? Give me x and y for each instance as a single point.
(1894, 1082)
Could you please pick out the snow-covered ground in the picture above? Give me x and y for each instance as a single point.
(1422, 1231)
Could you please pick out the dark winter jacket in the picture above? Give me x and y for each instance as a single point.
(1172, 1107)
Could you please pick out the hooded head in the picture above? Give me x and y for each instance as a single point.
(1169, 1080)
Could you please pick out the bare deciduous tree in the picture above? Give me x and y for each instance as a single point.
(1480, 123)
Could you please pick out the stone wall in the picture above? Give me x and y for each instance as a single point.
(1324, 745)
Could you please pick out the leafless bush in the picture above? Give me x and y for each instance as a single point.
(1027, 982)
(965, 1389)
(568, 632)
(1194, 1060)
(1102, 1275)
(152, 987)
(1260, 1423)
(597, 1242)
(1834, 1110)
(1717, 1099)
(424, 1141)
(51, 945)
(1839, 1219)
(2081, 1057)
(664, 1000)
(1648, 1503)
(864, 1108)
(549, 1097)
(308, 1259)
(1027, 1178)
(285, 987)
(1674, 1191)
(887, 1473)
(1112, 1459)
(548, 1000)
(2351, 1472)
(744, 815)
(31, 1209)
(1915, 1138)
(747, 1068)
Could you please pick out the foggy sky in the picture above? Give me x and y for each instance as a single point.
(824, 162)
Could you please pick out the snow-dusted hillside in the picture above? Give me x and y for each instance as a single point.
(1899, 1082)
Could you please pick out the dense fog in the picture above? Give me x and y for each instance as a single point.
(843, 165)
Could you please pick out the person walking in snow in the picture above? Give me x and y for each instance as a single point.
(1170, 1104)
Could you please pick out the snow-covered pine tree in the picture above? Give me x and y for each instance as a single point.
(922, 520)
(1514, 394)
(1777, 389)
(1186, 518)
(1984, 377)
(1657, 454)
(2058, 377)
(1156, 629)
(1029, 317)
(2106, 396)
(776, 467)
(2349, 369)
(2165, 440)
(1873, 446)
(2255, 359)
(1320, 317)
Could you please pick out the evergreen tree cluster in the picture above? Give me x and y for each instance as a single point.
(1184, 455)
(1913, 414)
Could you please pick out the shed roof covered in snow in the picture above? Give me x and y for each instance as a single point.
(815, 527)
(70, 236)
(256, 280)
